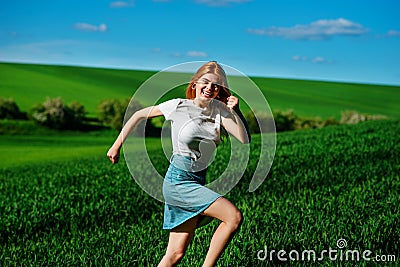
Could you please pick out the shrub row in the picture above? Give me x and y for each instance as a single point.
(289, 121)
(53, 113)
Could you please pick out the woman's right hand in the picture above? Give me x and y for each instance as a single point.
(113, 154)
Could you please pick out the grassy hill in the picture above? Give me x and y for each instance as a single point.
(63, 203)
(29, 84)
(61, 209)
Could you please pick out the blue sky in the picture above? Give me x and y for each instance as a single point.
(356, 41)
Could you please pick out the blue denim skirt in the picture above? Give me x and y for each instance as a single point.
(184, 192)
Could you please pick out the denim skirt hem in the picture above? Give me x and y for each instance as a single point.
(203, 220)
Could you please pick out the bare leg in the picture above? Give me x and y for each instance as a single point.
(179, 239)
(231, 218)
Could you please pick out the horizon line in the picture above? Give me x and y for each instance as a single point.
(158, 70)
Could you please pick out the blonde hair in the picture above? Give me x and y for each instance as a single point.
(211, 67)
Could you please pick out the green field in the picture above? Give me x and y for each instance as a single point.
(31, 84)
(62, 203)
(324, 185)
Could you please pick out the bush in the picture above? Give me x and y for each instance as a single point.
(53, 113)
(78, 111)
(111, 112)
(10, 110)
(313, 123)
(259, 123)
(288, 121)
(114, 112)
(353, 117)
(284, 121)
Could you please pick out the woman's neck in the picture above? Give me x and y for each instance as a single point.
(202, 102)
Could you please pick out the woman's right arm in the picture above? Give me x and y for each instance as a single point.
(150, 112)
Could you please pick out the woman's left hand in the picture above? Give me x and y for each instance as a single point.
(233, 102)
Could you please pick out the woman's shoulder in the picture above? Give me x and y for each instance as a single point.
(168, 107)
(184, 102)
(178, 99)
(173, 101)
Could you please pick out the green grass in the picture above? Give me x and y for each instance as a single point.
(19, 150)
(325, 99)
(325, 184)
(30, 144)
(24, 142)
(31, 84)
(63, 204)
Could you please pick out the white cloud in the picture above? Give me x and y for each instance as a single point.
(120, 4)
(299, 58)
(221, 2)
(393, 33)
(318, 30)
(318, 60)
(196, 54)
(91, 28)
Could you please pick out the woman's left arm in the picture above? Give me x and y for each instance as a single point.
(236, 124)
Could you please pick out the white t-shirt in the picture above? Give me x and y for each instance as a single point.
(195, 131)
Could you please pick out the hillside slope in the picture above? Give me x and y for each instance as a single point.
(29, 84)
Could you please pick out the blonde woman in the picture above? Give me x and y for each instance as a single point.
(197, 123)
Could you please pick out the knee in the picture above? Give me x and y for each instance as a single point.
(235, 220)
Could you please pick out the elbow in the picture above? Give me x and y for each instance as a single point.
(140, 115)
(246, 139)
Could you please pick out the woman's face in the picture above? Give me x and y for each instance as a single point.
(207, 86)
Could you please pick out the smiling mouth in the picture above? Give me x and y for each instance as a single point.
(206, 94)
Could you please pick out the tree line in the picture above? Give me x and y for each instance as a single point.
(54, 113)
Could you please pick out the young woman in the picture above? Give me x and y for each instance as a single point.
(196, 130)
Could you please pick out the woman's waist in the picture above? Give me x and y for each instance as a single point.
(188, 163)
